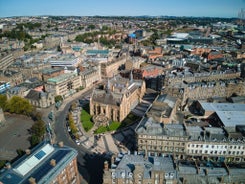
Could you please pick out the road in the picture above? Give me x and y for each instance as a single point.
(89, 166)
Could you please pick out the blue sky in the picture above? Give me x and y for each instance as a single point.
(210, 8)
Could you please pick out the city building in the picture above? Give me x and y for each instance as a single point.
(40, 99)
(45, 164)
(65, 60)
(191, 140)
(64, 84)
(4, 86)
(90, 76)
(109, 69)
(134, 63)
(50, 73)
(149, 169)
(140, 169)
(163, 109)
(118, 98)
(6, 59)
(203, 85)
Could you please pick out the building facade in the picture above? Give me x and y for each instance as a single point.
(117, 99)
(109, 69)
(46, 163)
(90, 76)
(183, 142)
(64, 85)
(134, 169)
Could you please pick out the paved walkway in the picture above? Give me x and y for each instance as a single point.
(118, 142)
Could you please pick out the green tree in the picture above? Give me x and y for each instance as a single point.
(91, 26)
(2, 163)
(19, 105)
(58, 98)
(72, 125)
(38, 129)
(3, 101)
(34, 140)
(20, 152)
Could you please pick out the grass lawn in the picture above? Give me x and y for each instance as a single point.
(86, 120)
(113, 126)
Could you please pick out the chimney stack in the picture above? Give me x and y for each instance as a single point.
(28, 151)
(8, 165)
(53, 162)
(106, 166)
(61, 144)
(32, 180)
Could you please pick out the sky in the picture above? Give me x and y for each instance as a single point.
(196, 8)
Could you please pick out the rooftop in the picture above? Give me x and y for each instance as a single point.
(230, 114)
(129, 163)
(37, 164)
(61, 78)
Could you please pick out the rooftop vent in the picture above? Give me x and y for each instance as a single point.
(32, 180)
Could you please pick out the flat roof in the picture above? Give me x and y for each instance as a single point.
(61, 78)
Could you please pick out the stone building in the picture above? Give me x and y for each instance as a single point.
(163, 109)
(188, 141)
(134, 63)
(64, 85)
(45, 74)
(40, 99)
(139, 169)
(204, 85)
(46, 163)
(90, 76)
(149, 169)
(117, 99)
(6, 59)
(109, 69)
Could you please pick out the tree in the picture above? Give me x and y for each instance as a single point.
(59, 48)
(3, 101)
(19, 105)
(34, 140)
(91, 26)
(20, 152)
(38, 129)
(58, 98)
(72, 125)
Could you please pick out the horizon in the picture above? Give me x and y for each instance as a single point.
(127, 8)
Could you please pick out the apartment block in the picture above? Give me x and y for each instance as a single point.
(46, 163)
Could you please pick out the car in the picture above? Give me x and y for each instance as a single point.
(77, 142)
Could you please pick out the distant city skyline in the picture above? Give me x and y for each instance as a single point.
(195, 8)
